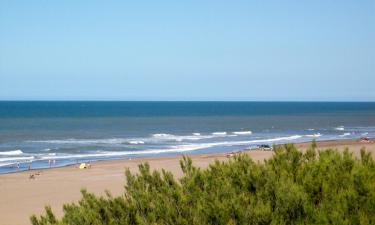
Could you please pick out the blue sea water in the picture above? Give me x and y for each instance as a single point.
(33, 133)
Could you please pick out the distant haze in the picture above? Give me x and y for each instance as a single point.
(187, 50)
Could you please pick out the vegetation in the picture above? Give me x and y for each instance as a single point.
(326, 187)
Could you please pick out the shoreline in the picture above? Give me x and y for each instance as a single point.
(20, 197)
(305, 144)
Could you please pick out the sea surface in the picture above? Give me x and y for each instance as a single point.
(60, 133)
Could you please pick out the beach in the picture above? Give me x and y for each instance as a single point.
(20, 196)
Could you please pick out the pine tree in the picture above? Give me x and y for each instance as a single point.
(325, 187)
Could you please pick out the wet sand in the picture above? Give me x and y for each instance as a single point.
(21, 197)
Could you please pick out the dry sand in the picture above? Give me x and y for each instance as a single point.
(21, 197)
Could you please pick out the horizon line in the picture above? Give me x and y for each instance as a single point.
(101, 100)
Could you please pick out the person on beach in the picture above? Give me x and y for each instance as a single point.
(18, 165)
(49, 163)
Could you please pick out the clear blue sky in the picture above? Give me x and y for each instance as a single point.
(187, 50)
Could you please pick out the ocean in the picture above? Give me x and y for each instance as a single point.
(36, 133)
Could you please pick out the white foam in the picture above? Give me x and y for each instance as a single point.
(12, 152)
(172, 149)
(313, 135)
(340, 128)
(136, 142)
(104, 141)
(364, 134)
(344, 134)
(15, 159)
(191, 147)
(310, 129)
(179, 138)
(84, 141)
(7, 164)
(242, 132)
(162, 135)
(288, 138)
(219, 133)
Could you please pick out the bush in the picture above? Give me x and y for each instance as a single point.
(326, 187)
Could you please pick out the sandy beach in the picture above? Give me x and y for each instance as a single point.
(21, 197)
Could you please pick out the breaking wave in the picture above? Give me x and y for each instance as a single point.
(345, 134)
(84, 141)
(179, 138)
(16, 159)
(314, 135)
(172, 149)
(136, 142)
(340, 128)
(219, 133)
(12, 152)
(242, 132)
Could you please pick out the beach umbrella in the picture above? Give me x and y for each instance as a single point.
(82, 166)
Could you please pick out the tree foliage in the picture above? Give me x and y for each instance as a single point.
(326, 187)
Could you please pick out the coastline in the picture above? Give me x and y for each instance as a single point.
(21, 197)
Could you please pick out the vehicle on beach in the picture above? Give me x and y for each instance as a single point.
(265, 147)
(231, 154)
(365, 140)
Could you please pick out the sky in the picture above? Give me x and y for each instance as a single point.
(266, 50)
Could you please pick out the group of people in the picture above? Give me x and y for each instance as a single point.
(51, 162)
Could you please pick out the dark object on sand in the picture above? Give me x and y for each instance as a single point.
(365, 140)
(231, 154)
(265, 147)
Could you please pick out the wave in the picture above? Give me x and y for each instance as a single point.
(120, 141)
(16, 159)
(364, 134)
(340, 128)
(179, 138)
(313, 135)
(84, 141)
(90, 141)
(162, 135)
(7, 164)
(12, 152)
(310, 129)
(191, 147)
(172, 149)
(219, 133)
(242, 132)
(114, 154)
(140, 140)
(136, 142)
(288, 138)
(345, 134)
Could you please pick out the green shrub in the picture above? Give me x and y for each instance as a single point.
(292, 187)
